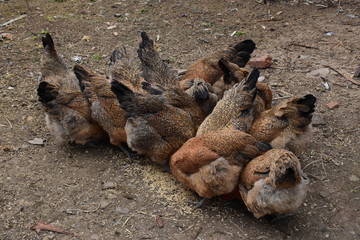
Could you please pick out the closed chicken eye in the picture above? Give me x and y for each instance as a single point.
(244, 113)
(265, 174)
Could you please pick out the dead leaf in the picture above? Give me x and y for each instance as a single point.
(49, 227)
(159, 222)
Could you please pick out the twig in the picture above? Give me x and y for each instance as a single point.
(12, 20)
(270, 20)
(302, 45)
(307, 165)
(126, 221)
(71, 211)
(49, 227)
(315, 177)
(198, 232)
(343, 75)
(11, 126)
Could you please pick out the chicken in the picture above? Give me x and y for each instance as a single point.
(154, 70)
(208, 68)
(210, 164)
(263, 100)
(287, 125)
(105, 107)
(234, 110)
(153, 127)
(273, 183)
(197, 100)
(68, 113)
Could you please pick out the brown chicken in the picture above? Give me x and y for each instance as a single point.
(105, 107)
(197, 100)
(209, 69)
(287, 125)
(235, 109)
(273, 183)
(210, 164)
(153, 128)
(68, 113)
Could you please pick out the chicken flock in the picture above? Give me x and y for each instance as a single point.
(215, 127)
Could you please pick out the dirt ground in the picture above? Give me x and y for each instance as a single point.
(97, 193)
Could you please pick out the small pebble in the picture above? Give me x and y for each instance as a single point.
(108, 185)
(36, 141)
(117, 15)
(261, 62)
(123, 210)
(332, 105)
(317, 120)
(353, 178)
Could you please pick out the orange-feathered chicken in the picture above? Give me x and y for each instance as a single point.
(273, 183)
(287, 125)
(235, 109)
(68, 113)
(154, 128)
(210, 164)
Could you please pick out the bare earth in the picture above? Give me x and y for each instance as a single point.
(97, 193)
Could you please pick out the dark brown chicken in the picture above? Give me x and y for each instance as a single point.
(273, 183)
(287, 125)
(68, 113)
(210, 164)
(153, 128)
(235, 109)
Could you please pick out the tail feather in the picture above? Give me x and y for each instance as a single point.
(82, 75)
(309, 102)
(47, 92)
(48, 43)
(154, 69)
(246, 45)
(117, 54)
(252, 78)
(122, 92)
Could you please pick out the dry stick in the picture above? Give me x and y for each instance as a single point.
(49, 227)
(12, 20)
(270, 20)
(343, 75)
(11, 126)
(302, 45)
(198, 232)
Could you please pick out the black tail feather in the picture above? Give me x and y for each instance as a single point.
(121, 91)
(146, 41)
(47, 92)
(309, 101)
(117, 54)
(252, 78)
(48, 42)
(242, 58)
(246, 45)
(227, 74)
(81, 75)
